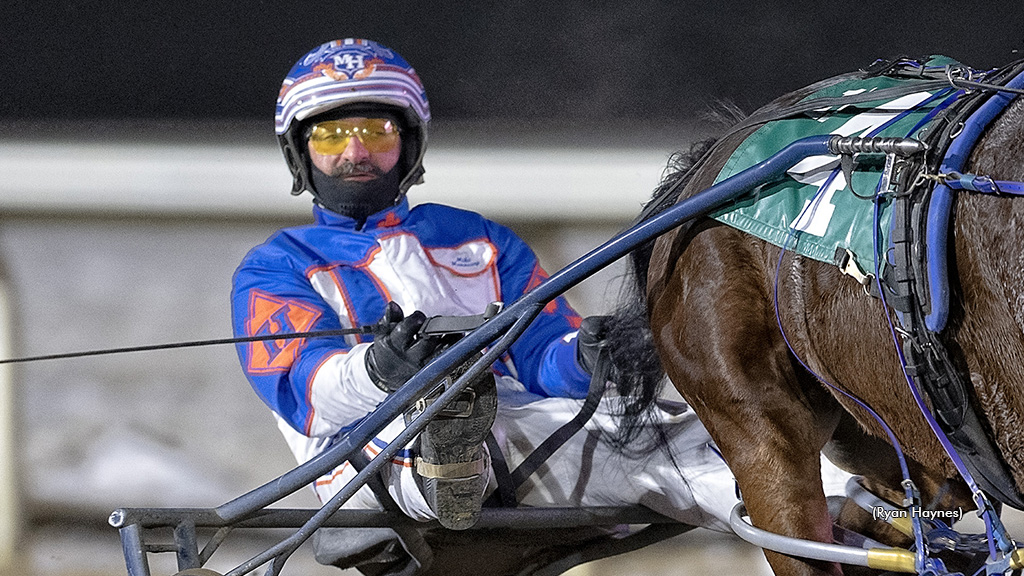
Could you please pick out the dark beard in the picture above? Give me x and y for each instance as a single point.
(357, 200)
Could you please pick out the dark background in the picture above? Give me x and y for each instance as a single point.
(574, 61)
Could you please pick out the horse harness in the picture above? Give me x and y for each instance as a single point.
(921, 188)
(915, 281)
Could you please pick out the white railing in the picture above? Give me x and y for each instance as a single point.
(250, 180)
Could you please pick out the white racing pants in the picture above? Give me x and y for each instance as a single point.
(693, 486)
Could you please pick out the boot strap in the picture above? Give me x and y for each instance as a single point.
(454, 470)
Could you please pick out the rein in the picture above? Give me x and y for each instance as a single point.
(191, 344)
(434, 326)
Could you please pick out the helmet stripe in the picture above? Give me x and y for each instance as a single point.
(316, 99)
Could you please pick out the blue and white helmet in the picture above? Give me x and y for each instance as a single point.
(360, 74)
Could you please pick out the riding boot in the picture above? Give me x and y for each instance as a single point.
(452, 463)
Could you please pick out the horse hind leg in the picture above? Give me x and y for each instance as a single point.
(714, 325)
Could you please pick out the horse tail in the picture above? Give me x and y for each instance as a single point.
(638, 374)
(680, 168)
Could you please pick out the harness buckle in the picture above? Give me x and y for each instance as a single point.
(847, 264)
(460, 407)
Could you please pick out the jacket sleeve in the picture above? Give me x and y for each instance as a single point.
(318, 385)
(545, 355)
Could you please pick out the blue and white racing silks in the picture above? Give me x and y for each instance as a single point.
(329, 275)
(444, 261)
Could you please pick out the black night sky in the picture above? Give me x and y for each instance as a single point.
(577, 60)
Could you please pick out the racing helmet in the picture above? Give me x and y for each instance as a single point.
(358, 75)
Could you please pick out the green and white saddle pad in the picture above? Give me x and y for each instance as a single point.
(813, 210)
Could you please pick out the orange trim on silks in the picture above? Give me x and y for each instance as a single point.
(390, 220)
(269, 314)
(538, 276)
(575, 320)
(325, 480)
(368, 258)
(364, 265)
(496, 281)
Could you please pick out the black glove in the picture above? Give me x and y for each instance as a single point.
(592, 337)
(398, 350)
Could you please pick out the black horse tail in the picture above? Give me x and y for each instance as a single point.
(636, 369)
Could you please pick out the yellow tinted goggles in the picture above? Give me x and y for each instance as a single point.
(333, 136)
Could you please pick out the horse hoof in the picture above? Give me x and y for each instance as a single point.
(198, 572)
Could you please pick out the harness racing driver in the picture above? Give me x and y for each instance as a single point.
(352, 120)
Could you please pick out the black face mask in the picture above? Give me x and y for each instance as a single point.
(356, 200)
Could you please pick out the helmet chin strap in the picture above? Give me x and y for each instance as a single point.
(357, 200)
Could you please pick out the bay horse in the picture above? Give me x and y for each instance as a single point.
(744, 331)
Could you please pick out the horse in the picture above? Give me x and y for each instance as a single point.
(749, 334)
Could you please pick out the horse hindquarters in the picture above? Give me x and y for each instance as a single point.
(714, 326)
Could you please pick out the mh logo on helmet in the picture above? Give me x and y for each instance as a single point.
(348, 67)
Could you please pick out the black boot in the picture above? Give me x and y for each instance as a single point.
(452, 462)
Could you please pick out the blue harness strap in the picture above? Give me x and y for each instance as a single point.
(941, 203)
(983, 184)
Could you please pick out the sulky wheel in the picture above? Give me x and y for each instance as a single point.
(198, 572)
